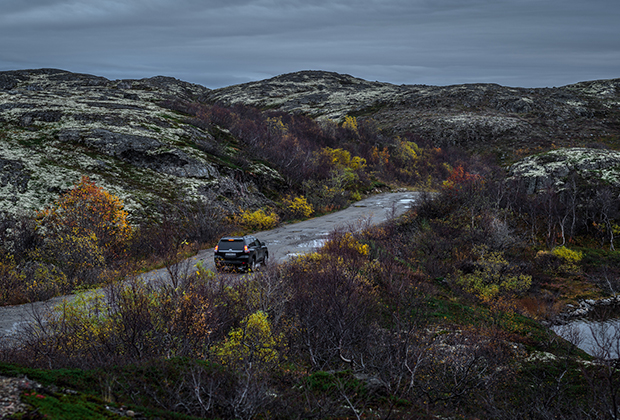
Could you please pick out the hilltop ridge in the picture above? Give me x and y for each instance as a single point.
(474, 116)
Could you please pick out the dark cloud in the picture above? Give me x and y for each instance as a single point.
(218, 43)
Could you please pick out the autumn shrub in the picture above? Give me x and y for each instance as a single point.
(350, 123)
(43, 281)
(30, 281)
(298, 207)
(84, 231)
(328, 195)
(568, 255)
(492, 275)
(344, 245)
(78, 254)
(88, 211)
(252, 343)
(257, 220)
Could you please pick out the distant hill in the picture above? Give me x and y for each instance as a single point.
(475, 116)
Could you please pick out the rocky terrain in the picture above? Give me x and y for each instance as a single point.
(553, 169)
(56, 126)
(476, 116)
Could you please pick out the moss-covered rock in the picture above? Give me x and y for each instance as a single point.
(553, 169)
(56, 126)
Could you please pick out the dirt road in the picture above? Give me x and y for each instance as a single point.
(283, 242)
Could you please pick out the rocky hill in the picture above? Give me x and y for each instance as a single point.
(56, 126)
(476, 116)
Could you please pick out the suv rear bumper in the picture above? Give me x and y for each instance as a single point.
(241, 261)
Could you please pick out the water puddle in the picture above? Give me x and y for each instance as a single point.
(407, 201)
(597, 338)
(598, 333)
(316, 243)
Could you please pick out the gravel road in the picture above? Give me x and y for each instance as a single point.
(283, 242)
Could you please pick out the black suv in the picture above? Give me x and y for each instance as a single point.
(242, 252)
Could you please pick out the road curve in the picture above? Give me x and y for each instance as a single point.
(283, 242)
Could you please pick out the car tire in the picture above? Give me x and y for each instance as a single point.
(265, 260)
(252, 266)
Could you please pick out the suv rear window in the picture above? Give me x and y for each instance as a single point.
(235, 245)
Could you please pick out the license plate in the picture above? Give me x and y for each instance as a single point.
(230, 254)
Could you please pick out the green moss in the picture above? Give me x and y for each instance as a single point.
(456, 312)
(35, 143)
(326, 382)
(597, 257)
(68, 407)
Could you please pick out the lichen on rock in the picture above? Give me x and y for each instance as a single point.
(552, 169)
(56, 126)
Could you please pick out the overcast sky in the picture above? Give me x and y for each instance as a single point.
(216, 43)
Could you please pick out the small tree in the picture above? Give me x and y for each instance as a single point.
(87, 210)
(84, 229)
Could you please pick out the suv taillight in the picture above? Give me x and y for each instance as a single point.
(246, 249)
(216, 247)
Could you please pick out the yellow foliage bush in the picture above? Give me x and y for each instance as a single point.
(29, 282)
(342, 159)
(407, 151)
(350, 123)
(257, 220)
(346, 242)
(568, 255)
(42, 281)
(570, 259)
(253, 342)
(77, 250)
(85, 320)
(298, 207)
(492, 277)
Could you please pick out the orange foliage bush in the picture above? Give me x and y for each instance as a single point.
(88, 210)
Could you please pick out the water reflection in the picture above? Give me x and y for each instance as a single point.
(316, 243)
(598, 334)
(597, 338)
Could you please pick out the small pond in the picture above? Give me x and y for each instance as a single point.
(598, 333)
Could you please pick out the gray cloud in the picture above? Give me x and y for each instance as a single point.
(217, 43)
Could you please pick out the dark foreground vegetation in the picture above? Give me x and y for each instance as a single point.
(436, 314)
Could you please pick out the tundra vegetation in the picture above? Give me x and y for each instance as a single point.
(438, 313)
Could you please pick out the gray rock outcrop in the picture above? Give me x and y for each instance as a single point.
(56, 126)
(594, 167)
